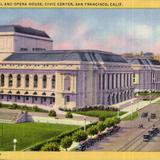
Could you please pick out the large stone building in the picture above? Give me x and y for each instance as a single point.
(146, 74)
(32, 73)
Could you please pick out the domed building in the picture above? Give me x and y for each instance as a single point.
(31, 72)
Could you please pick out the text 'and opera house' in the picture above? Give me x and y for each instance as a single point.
(31, 72)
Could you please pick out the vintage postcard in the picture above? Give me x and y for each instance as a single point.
(79, 79)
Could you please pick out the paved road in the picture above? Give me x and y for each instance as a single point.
(129, 131)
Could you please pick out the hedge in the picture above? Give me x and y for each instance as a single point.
(38, 146)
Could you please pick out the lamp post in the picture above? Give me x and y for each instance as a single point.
(132, 109)
(14, 144)
(150, 96)
(84, 124)
(118, 111)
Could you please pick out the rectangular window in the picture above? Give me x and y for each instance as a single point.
(103, 82)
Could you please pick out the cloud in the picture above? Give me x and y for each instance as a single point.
(82, 35)
(140, 31)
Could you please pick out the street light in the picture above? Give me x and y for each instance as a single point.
(132, 102)
(118, 111)
(14, 144)
(84, 124)
(150, 96)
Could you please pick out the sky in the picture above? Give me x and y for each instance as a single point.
(114, 30)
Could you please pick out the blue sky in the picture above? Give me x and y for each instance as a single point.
(116, 30)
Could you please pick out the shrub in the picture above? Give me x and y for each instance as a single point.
(117, 120)
(109, 122)
(50, 147)
(92, 130)
(35, 109)
(101, 126)
(80, 136)
(52, 113)
(69, 115)
(13, 106)
(102, 118)
(66, 142)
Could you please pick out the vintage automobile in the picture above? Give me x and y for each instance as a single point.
(144, 115)
(153, 116)
(146, 137)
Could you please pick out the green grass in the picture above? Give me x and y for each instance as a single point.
(131, 117)
(99, 113)
(28, 134)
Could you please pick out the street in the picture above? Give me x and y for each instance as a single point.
(130, 137)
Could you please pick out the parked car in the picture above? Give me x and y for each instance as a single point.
(144, 115)
(155, 130)
(116, 128)
(146, 137)
(82, 146)
(153, 116)
(151, 133)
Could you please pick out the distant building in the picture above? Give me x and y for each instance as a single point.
(156, 57)
(148, 55)
(146, 74)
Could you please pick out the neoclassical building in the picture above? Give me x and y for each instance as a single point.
(146, 74)
(31, 72)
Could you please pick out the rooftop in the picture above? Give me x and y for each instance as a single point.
(143, 61)
(23, 30)
(68, 55)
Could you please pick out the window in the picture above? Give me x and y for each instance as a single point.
(35, 81)
(67, 83)
(67, 98)
(134, 78)
(44, 81)
(53, 81)
(99, 81)
(10, 80)
(103, 82)
(18, 80)
(27, 81)
(2, 80)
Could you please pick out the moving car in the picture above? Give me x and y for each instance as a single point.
(146, 137)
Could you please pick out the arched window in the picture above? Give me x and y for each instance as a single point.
(44, 81)
(53, 81)
(35, 81)
(10, 80)
(18, 80)
(2, 80)
(67, 83)
(27, 80)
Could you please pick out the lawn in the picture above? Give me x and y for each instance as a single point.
(99, 113)
(28, 134)
(131, 117)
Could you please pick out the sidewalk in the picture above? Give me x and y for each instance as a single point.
(134, 107)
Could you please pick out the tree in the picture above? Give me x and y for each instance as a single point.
(66, 142)
(92, 130)
(50, 147)
(117, 120)
(109, 122)
(102, 118)
(101, 126)
(52, 113)
(80, 136)
(69, 115)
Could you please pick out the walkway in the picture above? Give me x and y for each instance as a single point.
(134, 106)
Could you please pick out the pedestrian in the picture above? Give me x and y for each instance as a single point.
(148, 119)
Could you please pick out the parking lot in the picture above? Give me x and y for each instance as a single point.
(130, 137)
